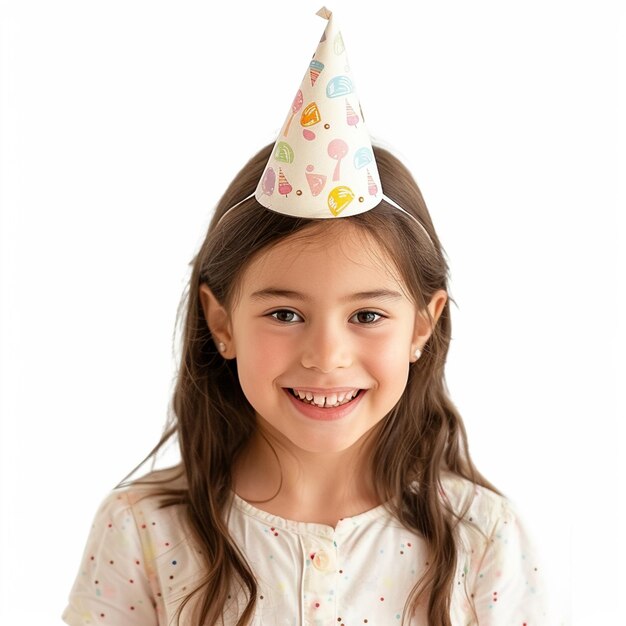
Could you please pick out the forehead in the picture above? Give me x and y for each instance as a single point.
(330, 255)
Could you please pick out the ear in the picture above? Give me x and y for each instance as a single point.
(218, 320)
(423, 326)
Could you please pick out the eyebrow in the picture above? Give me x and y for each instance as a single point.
(375, 294)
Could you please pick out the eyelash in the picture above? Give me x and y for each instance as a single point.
(380, 316)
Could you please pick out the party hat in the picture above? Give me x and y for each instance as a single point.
(322, 164)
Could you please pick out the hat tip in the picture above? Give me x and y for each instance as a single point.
(325, 13)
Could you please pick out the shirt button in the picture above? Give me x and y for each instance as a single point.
(322, 560)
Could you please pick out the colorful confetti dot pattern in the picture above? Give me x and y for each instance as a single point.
(139, 563)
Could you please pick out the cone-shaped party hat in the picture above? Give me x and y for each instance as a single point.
(322, 164)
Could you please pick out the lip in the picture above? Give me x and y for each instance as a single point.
(325, 415)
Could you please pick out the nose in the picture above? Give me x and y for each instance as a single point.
(326, 347)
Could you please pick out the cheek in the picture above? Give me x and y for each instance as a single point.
(390, 349)
(261, 357)
(388, 365)
(388, 361)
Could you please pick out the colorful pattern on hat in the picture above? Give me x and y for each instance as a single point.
(322, 164)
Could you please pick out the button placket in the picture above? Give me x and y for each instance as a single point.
(319, 582)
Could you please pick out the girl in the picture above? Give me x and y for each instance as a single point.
(325, 476)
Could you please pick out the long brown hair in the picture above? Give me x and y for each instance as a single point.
(419, 439)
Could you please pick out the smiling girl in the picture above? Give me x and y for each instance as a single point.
(322, 357)
(325, 477)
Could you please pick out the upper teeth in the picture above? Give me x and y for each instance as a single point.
(331, 399)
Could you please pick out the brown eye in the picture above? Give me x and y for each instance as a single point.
(284, 315)
(368, 317)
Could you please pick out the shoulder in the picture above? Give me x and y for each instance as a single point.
(144, 517)
(132, 545)
(480, 508)
(498, 556)
(143, 499)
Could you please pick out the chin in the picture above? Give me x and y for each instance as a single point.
(325, 443)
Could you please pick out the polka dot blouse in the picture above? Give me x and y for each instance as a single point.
(139, 563)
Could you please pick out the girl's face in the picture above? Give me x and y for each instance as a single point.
(324, 316)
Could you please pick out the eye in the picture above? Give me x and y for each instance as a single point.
(368, 317)
(284, 315)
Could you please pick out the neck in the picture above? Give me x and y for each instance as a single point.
(275, 476)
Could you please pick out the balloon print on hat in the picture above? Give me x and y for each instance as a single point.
(362, 157)
(339, 198)
(268, 182)
(310, 116)
(339, 86)
(283, 152)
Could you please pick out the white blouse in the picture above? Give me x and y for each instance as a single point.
(140, 562)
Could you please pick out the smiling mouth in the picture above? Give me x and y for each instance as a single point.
(326, 402)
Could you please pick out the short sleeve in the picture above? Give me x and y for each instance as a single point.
(510, 589)
(112, 586)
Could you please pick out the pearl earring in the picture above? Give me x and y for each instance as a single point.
(418, 353)
(222, 346)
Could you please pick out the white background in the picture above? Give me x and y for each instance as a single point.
(122, 122)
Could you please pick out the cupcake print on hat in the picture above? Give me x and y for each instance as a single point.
(322, 164)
